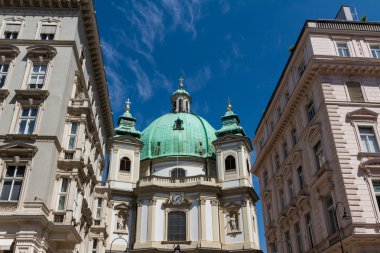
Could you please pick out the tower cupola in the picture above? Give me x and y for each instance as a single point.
(126, 123)
(230, 123)
(181, 99)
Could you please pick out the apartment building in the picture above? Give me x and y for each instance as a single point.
(317, 144)
(55, 119)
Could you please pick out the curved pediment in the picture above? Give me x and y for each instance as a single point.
(363, 114)
(45, 51)
(8, 51)
(313, 131)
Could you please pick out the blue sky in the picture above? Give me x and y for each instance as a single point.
(234, 49)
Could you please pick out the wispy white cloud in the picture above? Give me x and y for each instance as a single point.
(117, 87)
(199, 79)
(142, 82)
(225, 6)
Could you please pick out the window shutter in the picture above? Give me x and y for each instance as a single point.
(48, 29)
(355, 92)
(12, 28)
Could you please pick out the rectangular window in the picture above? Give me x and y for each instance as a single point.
(27, 120)
(310, 111)
(265, 178)
(290, 189)
(279, 112)
(355, 91)
(11, 31)
(99, 209)
(375, 50)
(12, 183)
(37, 76)
(331, 218)
(72, 135)
(298, 237)
(285, 149)
(288, 242)
(3, 73)
(294, 136)
(282, 199)
(368, 139)
(48, 32)
(318, 154)
(309, 230)
(62, 194)
(300, 177)
(376, 188)
(277, 161)
(343, 49)
(301, 68)
(94, 246)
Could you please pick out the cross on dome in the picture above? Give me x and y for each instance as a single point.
(181, 79)
(128, 105)
(229, 106)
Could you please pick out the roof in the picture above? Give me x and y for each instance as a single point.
(178, 134)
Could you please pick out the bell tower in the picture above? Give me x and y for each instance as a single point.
(238, 202)
(124, 171)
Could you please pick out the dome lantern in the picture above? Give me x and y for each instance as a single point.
(181, 99)
(230, 123)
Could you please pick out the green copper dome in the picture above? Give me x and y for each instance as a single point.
(178, 134)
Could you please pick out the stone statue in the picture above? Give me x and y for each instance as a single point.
(233, 222)
(121, 224)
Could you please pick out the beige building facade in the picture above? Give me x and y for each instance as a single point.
(55, 120)
(317, 144)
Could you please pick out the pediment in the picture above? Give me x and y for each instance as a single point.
(363, 114)
(297, 155)
(373, 162)
(18, 148)
(127, 139)
(313, 131)
(227, 138)
(121, 206)
(43, 51)
(8, 51)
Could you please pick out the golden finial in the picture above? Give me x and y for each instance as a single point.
(229, 107)
(181, 82)
(128, 105)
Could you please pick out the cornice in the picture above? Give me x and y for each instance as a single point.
(88, 20)
(319, 64)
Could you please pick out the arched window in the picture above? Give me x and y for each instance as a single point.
(248, 169)
(125, 164)
(180, 106)
(230, 163)
(175, 106)
(187, 106)
(178, 172)
(176, 226)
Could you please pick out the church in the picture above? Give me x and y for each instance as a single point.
(180, 185)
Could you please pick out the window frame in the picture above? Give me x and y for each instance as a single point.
(349, 86)
(330, 215)
(186, 226)
(12, 37)
(127, 170)
(297, 232)
(74, 135)
(310, 110)
(48, 22)
(319, 156)
(61, 193)
(301, 177)
(290, 187)
(13, 179)
(346, 43)
(375, 135)
(232, 166)
(176, 170)
(27, 118)
(37, 74)
(309, 230)
(6, 76)
(376, 50)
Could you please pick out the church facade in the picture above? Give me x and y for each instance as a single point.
(181, 183)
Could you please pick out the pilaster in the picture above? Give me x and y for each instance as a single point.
(138, 220)
(203, 219)
(151, 219)
(215, 215)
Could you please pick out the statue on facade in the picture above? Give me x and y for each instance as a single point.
(121, 224)
(233, 222)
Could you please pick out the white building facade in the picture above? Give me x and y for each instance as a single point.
(55, 119)
(180, 183)
(317, 144)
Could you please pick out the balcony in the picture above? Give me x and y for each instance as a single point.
(170, 182)
(344, 25)
(71, 157)
(79, 106)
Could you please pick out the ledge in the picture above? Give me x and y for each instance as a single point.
(176, 242)
(32, 93)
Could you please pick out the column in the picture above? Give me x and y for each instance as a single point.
(246, 222)
(215, 215)
(70, 199)
(203, 219)
(151, 220)
(138, 220)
